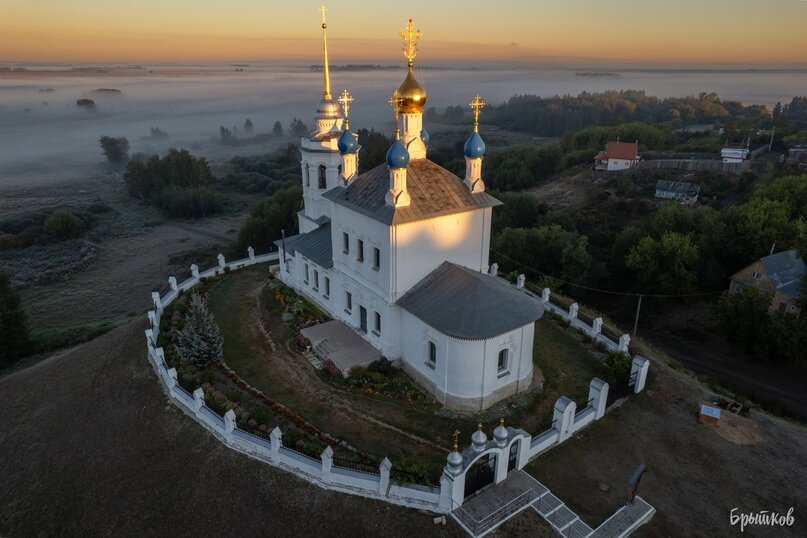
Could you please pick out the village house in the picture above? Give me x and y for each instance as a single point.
(779, 275)
(617, 156)
(686, 193)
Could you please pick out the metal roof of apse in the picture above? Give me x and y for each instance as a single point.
(470, 305)
(434, 191)
(314, 245)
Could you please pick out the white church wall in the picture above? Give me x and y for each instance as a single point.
(461, 365)
(315, 153)
(420, 247)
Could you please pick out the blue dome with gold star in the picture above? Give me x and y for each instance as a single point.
(348, 143)
(474, 146)
(397, 156)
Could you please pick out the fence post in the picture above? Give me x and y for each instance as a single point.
(172, 283)
(624, 342)
(598, 396)
(545, 295)
(276, 440)
(222, 263)
(573, 312)
(229, 424)
(520, 281)
(199, 399)
(251, 254)
(327, 462)
(150, 337)
(638, 371)
(171, 378)
(383, 482)
(158, 302)
(160, 356)
(563, 417)
(596, 327)
(445, 494)
(494, 269)
(195, 270)
(152, 318)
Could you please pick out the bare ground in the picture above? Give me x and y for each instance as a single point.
(92, 447)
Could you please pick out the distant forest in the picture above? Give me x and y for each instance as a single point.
(555, 116)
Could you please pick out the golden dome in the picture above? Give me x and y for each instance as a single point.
(412, 95)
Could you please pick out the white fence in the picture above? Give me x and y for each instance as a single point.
(322, 471)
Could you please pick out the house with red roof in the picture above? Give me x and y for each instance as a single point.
(617, 156)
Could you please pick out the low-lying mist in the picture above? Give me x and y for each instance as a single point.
(46, 138)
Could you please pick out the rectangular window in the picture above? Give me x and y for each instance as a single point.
(323, 182)
(504, 356)
(756, 276)
(431, 357)
(360, 250)
(376, 258)
(327, 287)
(306, 274)
(738, 288)
(348, 302)
(316, 279)
(377, 323)
(345, 243)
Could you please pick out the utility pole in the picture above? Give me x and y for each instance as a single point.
(636, 321)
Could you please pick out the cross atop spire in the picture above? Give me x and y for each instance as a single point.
(410, 38)
(456, 440)
(395, 102)
(476, 105)
(345, 99)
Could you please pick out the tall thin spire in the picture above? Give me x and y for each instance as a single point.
(326, 83)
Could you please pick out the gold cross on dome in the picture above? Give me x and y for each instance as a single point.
(395, 102)
(456, 439)
(323, 10)
(410, 38)
(345, 99)
(476, 105)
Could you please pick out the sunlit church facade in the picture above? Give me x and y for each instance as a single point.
(400, 253)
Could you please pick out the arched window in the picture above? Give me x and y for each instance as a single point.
(322, 181)
(431, 355)
(504, 356)
(307, 175)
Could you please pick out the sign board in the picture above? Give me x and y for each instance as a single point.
(710, 411)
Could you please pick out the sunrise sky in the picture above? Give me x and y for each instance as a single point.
(647, 31)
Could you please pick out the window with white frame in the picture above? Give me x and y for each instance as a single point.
(323, 182)
(348, 302)
(756, 276)
(307, 175)
(360, 250)
(377, 323)
(327, 287)
(306, 273)
(376, 258)
(345, 243)
(504, 359)
(316, 279)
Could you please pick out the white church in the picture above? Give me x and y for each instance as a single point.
(400, 253)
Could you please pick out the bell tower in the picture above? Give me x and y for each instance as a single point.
(320, 160)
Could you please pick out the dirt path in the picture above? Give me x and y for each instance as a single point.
(301, 376)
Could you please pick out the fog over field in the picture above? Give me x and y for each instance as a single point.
(45, 137)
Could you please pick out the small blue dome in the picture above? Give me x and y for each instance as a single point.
(348, 143)
(397, 156)
(474, 147)
(424, 135)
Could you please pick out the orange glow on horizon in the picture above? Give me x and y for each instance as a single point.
(743, 32)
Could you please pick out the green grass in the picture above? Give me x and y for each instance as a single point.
(567, 363)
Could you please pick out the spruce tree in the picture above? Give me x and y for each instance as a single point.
(14, 339)
(199, 341)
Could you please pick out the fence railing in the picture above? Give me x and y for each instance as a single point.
(491, 520)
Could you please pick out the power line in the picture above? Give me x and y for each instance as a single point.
(610, 292)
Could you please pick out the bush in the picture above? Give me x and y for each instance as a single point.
(63, 224)
(619, 365)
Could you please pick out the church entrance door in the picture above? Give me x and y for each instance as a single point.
(511, 462)
(480, 475)
(363, 319)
